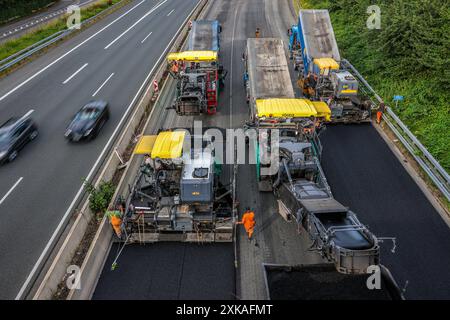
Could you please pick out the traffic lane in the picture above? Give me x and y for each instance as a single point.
(91, 38)
(78, 91)
(164, 9)
(54, 165)
(50, 82)
(159, 24)
(168, 270)
(280, 17)
(61, 105)
(366, 176)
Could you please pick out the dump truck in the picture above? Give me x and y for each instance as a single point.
(177, 194)
(323, 282)
(204, 35)
(288, 151)
(315, 54)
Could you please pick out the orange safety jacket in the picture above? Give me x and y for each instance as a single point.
(248, 220)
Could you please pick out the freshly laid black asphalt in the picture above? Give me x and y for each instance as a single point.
(365, 175)
(170, 271)
(321, 282)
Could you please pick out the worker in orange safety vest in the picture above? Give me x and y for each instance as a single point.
(380, 112)
(175, 67)
(115, 218)
(248, 220)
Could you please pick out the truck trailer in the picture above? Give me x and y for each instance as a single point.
(177, 194)
(288, 152)
(315, 54)
(204, 35)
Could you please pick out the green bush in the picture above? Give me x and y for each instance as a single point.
(408, 56)
(99, 197)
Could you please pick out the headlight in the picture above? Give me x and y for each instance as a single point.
(68, 132)
(88, 132)
(2, 154)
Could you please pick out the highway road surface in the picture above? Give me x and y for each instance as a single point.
(363, 173)
(108, 61)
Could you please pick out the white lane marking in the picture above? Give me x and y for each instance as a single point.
(67, 53)
(134, 24)
(147, 37)
(76, 72)
(103, 84)
(11, 190)
(89, 176)
(170, 12)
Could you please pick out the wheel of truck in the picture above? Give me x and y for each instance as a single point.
(12, 156)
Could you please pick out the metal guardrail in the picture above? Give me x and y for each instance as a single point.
(428, 163)
(27, 52)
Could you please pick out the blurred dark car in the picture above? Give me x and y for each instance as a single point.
(87, 123)
(14, 135)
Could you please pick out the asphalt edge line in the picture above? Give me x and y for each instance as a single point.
(10, 190)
